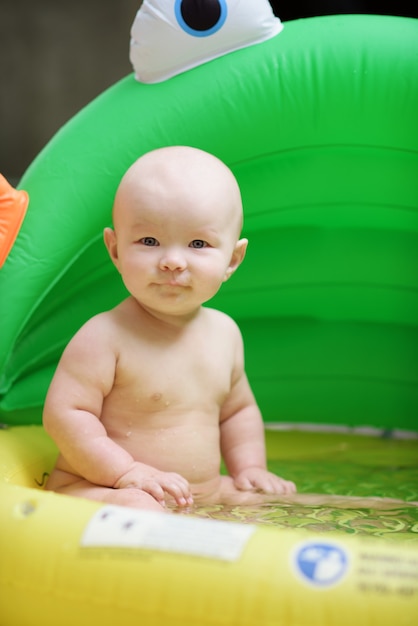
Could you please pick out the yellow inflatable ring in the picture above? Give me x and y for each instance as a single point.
(319, 124)
(79, 562)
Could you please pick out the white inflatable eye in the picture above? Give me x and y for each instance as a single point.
(171, 36)
(201, 19)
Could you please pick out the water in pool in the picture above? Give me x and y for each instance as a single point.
(347, 465)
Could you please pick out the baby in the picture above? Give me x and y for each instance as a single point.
(147, 397)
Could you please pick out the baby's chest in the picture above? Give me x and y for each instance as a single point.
(177, 377)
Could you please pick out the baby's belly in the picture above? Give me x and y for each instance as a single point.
(192, 452)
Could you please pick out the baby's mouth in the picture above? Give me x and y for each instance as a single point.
(175, 281)
(172, 282)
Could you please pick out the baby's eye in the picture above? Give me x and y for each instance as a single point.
(149, 241)
(198, 243)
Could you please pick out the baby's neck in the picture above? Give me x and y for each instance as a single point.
(168, 321)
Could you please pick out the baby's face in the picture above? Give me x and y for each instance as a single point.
(176, 236)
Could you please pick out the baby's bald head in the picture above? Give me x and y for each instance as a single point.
(189, 176)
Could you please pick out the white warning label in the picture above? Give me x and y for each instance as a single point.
(121, 527)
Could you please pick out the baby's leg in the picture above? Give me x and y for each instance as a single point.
(132, 497)
(343, 502)
(232, 496)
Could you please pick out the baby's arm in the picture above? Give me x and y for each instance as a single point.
(243, 442)
(84, 377)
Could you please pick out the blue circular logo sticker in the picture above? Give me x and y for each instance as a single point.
(321, 564)
(200, 19)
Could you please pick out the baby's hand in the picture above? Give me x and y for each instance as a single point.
(157, 484)
(258, 479)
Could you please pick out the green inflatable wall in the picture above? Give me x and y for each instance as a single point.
(320, 126)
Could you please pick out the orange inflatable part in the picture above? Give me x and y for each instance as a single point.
(13, 207)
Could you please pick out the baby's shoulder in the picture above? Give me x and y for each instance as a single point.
(97, 329)
(221, 321)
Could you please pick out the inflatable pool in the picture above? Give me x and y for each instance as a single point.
(319, 125)
(77, 561)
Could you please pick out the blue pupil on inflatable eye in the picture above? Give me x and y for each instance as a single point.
(200, 18)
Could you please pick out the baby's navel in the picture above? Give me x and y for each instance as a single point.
(156, 396)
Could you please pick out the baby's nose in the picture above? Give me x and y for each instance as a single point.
(173, 260)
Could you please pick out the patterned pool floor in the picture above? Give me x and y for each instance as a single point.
(342, 464)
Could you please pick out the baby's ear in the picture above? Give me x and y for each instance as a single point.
(237, 257)
(109, 237)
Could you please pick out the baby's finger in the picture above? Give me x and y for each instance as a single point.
(271, 484)
(155, 490)
(284, 487)
(245, 484)
(290, 487)
(179, 489)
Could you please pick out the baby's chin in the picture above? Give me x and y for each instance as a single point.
(171, 308)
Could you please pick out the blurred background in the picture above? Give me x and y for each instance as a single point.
(55, 57)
